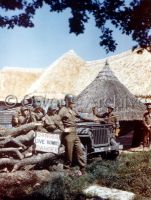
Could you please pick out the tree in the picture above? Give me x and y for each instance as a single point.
(133, 18)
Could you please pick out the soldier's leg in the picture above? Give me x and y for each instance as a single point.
(79, 153)
(68, 142)
(150, 139)
(145, 137)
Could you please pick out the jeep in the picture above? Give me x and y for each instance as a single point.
(98, 139)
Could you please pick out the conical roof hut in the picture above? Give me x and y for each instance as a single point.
(105, 89)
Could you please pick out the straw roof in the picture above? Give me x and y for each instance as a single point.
(71, 74)
(105, 89)
(60, 77)
(131, 68)
(15, 81)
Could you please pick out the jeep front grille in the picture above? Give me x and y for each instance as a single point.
(100, 136)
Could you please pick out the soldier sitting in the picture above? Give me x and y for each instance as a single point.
(52, 121)
(15, 118)
(37, 113)
(22, 117)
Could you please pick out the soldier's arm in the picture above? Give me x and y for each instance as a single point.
(59, 123)
(85, 119)
(145, 122)
(15, 121)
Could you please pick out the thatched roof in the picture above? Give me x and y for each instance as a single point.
(16, 81)
(131, 68)
(71, 74)
(60, 77)
(105, 89)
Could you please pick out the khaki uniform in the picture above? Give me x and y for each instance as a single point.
(147, 130)
(18, 119)
(15, 118)
(52, 123)
(110, 118)
(70, 140)
(37, 117)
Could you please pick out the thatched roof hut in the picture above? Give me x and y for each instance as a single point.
(105, 89)
(131, 68)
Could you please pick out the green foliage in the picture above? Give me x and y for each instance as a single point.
(131, 172)
(132, 19)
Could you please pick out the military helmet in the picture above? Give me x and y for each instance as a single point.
(52, 107)
(110, 106)
(22, 109)
(69, 98)
(61, 102)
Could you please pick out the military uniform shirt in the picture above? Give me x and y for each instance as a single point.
(68, 117)
(52, 122)
(147, 119)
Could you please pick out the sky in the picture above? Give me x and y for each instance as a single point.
(38, 47)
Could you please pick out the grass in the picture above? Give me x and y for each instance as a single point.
(131, 172)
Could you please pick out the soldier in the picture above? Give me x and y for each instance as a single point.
(15, 117)
(37, 113)
(108, 117)
(70, 139)
(147, 127)
(23, 116)
(52, 121)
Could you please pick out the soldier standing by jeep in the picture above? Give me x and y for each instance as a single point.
(70, 139)
(108, 117)
(147, 127)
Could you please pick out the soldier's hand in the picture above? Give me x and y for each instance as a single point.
(38, 123)
(66, 130)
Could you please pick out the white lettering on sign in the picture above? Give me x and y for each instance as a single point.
(47, 142)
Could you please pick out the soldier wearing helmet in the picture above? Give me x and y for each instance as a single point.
(109, 117)
(15, 118)
(37, 113)
(52, 121)
(23, 116)
(147, 127)
(69, 138)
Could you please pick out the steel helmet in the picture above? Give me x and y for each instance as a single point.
(52, 107)
(69, 98)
